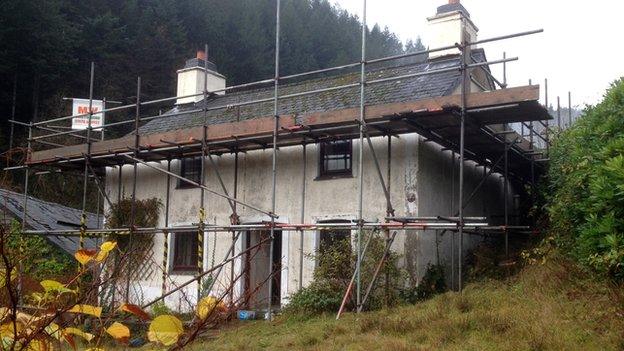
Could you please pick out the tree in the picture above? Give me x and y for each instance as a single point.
(50, 44)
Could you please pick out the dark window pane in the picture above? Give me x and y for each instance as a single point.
(335, 158)
(185, 251)
(330, 238)
(190, 168)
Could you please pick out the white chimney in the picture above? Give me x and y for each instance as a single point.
(191, 79)
(445, 28)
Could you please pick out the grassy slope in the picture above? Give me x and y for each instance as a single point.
(545, 307)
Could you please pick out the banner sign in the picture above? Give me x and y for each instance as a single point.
(80, 107)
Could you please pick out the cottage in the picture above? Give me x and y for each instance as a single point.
(209, 159)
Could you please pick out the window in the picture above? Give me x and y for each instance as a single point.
(334, 253)
(185, 251)
(190, 168)
(335, 158)
(334, 237)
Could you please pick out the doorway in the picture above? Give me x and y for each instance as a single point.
(256, 269)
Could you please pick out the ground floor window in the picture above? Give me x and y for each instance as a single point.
(185, 251)
(334, 252)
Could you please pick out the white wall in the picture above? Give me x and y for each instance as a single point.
(191, 81)
(438, 195)
(420, 186)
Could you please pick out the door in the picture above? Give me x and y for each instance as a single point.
(256, 269)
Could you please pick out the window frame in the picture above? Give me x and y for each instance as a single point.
(324, 173)
(329, 237)
(175, 266)
(196, 161)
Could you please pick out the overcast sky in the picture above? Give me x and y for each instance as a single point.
(580, 49)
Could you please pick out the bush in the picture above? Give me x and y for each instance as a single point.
(39, 259)
(585, 193)
(319, 297)
(334, 271)
(434, 282)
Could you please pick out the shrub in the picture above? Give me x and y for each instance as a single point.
(432, 283)
(160, 308)
(320, 296)
(39, 259)
(334, 271)
(585, 193)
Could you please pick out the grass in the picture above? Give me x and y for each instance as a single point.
(553, 306)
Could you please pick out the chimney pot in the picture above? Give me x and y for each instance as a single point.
(201, 54)
(453, 2)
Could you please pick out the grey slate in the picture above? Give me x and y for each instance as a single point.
(451, 8)
(408, 89)
(44, 215)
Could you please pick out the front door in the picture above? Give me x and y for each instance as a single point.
(256, 269)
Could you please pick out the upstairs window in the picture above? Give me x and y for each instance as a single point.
(190, 168)
(185, 251)
(335, 159)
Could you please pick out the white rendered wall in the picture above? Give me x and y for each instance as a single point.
(191, 81)
(421, 185)
(446, 30)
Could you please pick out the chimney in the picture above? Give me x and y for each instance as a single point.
(445, 28)
(191, 79)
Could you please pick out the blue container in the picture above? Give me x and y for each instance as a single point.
(246, 315)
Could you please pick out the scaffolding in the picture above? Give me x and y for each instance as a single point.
(446, 125)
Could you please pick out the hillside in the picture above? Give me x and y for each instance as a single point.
(553, 306)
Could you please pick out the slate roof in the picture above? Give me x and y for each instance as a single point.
(408, 89)
(43, 215)
(452, 7)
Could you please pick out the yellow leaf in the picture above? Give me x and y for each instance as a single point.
(52, 285)
(84, 256)
(78, 332)
(6, 330)
(119, 332)
(94, 349)
(108, 246)
(4, 313)
(87, 309)
(165, 330)
(101, 256)
(39, 345)
(3, 276)
(105, 248)
(53, 330)
(206, 306)
(135, 310)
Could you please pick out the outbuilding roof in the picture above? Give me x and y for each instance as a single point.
(44, 215)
